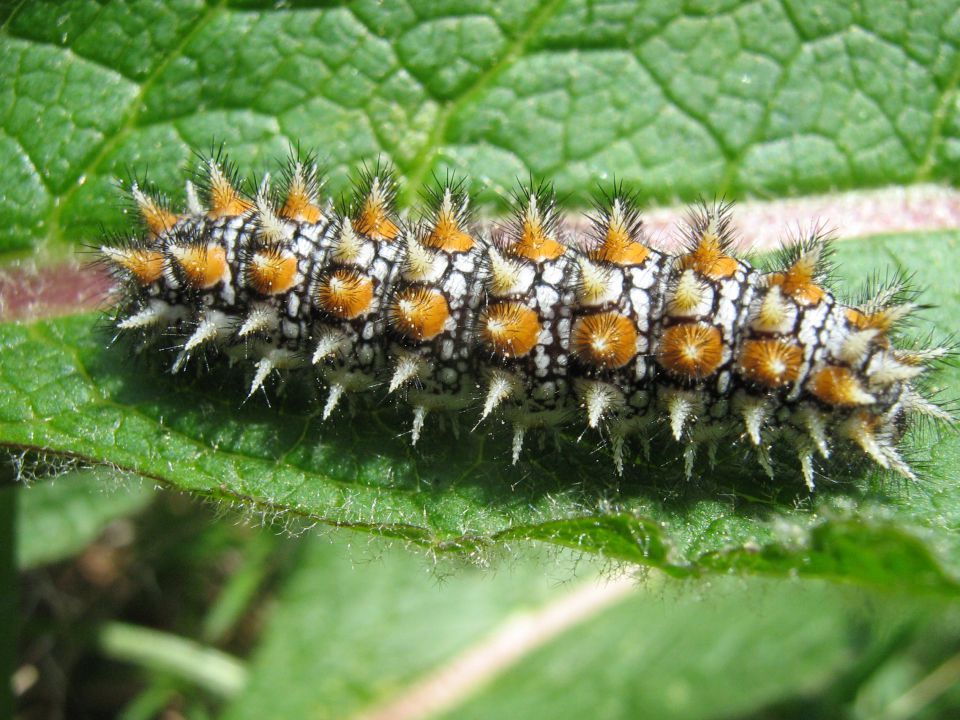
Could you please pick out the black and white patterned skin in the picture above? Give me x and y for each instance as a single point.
(716, 351)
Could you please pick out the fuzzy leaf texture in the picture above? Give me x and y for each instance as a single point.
(730, 99)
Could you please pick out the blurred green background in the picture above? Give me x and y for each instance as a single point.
(125, 592)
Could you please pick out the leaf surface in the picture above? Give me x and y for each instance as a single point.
(735, 98)
(718, 97)
(518, 644)
(458, 492)
(57, 519)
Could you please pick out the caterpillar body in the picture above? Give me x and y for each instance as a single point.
(531, 321)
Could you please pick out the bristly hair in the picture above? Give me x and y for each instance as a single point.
(187, 238)
(121, 241)
(931, 347)
(127, 240)
(361, 183)
(314, 172)
(182, 236)
(886, 288)
(139, 179)
(546, 200)
(261, 185)
(816, 237)
(548, 329)
(603, 200)
(699, 219)
(200, 174)
(433, 193)
(385, 171)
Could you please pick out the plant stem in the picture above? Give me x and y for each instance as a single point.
(241, 588)
(925, 692)
(207, 667)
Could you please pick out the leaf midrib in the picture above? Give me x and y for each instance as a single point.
(128, 124)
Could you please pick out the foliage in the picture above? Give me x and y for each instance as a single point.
(765, 98)
(459, 493)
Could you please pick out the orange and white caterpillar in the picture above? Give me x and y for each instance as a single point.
(530, 321)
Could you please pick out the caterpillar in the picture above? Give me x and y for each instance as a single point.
(531, 321)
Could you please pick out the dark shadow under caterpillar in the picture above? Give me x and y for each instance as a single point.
(530, 322)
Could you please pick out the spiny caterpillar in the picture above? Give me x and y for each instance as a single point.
(529, 321)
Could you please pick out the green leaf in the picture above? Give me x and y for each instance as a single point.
(353, 625)
(741, 650)
(59, 518)
(727, 97)
(677, 99)
(516, 644)
(732, 98)
(459, 493)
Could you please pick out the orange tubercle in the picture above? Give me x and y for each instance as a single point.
(839, 386)
(419, 313)
(882, 320)
(799, 281)
(857, 318)
(144, 264)
(606, 340)
(805, 292)
(299, 208)
(447, 235)
(709, 259)
(225, 201)
(203, 266)
(374, 221)
(345, 294)
(156, 217)
(272, 271)
(510, 329)
(691, 349)
(534, 244)
(619, 249)
(772, 363)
